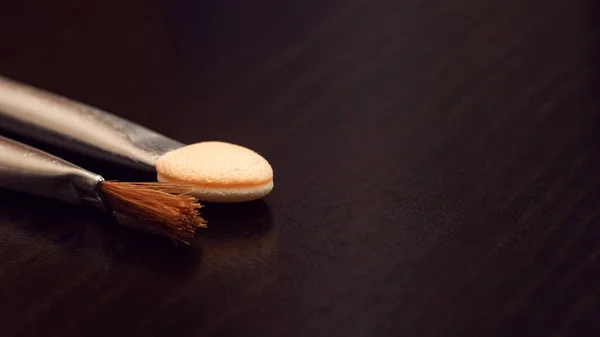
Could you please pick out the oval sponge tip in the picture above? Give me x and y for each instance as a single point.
(219, 171)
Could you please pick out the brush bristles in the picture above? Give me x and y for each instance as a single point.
(160, 208)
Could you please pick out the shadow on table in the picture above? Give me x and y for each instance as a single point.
(239, 238)
(227, 221)
(235, 227)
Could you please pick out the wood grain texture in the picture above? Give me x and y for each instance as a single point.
(436, 166)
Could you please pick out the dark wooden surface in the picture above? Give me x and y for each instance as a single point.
(436, 165)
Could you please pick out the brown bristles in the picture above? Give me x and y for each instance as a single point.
(160, 208)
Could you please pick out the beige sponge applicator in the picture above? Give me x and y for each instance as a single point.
(219, 171)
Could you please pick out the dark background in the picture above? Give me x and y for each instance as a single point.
(436, 167)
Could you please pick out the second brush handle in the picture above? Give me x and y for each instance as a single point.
(73, 126)
(29, 170)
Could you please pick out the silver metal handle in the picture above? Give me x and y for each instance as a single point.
(77, 127)
(29, 170)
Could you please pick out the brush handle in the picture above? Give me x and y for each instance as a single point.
(76, 127)
(29, 170)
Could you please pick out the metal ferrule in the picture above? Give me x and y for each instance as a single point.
(29, 170)
(37, 114)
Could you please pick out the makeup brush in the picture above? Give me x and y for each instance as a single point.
(160, 208)
(218, 171)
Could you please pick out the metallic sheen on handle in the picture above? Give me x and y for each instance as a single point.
(29, 170)
(77, 127)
